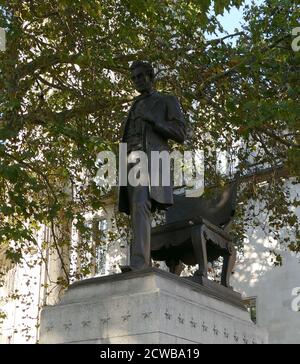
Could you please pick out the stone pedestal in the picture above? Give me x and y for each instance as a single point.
(148, 307)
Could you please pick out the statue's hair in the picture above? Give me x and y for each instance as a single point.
(146, 65)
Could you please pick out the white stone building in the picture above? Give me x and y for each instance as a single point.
(273, 292)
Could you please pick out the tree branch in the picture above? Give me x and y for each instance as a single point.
(276, 137)
(219, 40)
(249, 60)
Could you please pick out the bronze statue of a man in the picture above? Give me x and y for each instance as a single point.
(153, 119)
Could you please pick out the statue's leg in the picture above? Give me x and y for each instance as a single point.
(200, 249)
(140, 211)
(228, 265)
(172, 265)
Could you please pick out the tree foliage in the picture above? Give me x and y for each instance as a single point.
(65, 91)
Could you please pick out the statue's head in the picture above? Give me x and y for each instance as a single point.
(142, 75)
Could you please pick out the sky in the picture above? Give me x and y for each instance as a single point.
(231, 20)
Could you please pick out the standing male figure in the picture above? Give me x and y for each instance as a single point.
(153, 119)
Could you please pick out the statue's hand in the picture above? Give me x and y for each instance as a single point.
(145, 116)
(146, 113)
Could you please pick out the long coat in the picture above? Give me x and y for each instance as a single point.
(167, 122)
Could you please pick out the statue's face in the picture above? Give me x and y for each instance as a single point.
(141, 80)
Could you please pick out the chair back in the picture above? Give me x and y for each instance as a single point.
(218, 206)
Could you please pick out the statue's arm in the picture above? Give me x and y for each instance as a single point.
(173, 125)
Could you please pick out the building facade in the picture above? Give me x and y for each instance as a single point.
(272, 292)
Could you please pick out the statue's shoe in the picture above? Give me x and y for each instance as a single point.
(125, 268)
(129, 268)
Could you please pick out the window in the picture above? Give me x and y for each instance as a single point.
(250, 304)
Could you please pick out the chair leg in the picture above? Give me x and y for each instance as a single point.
(228, 265)
(199, 244)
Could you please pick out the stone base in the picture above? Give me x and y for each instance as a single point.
(148, 307)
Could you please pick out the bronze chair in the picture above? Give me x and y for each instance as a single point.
(195, 233)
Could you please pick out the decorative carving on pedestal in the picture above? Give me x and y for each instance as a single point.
(193, 323)
(180, 319)
(204, 327)
(85, 323)
(215, 330)
(105, 320)
(168, 315)
(126, 317)
(67, 326)
(226, 333)
(146, 314)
